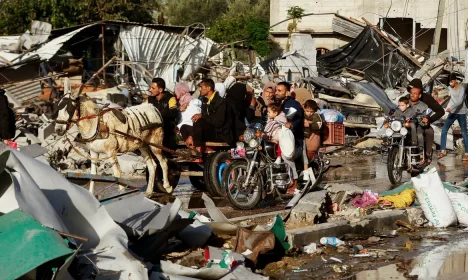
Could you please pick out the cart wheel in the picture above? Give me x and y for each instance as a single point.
(214, 172)
(198, 182)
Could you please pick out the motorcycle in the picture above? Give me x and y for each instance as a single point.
(397, 151)
(253, 173)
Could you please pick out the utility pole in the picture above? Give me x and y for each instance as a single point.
(440, 19)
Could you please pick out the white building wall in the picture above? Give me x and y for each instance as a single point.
(423, 11)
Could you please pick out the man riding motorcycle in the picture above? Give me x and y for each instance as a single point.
(420, 102)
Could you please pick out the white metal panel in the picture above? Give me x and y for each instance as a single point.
(161, 54)
(24, 91)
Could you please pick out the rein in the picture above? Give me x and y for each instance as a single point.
(94, 116)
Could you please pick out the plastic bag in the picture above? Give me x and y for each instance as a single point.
(434, 201)
(329, 115)
(460, 205)
(286, 142)
(401, 200)
(367, 198)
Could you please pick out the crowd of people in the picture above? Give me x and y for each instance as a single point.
(219, 115)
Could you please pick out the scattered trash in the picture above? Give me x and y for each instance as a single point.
(402, 200)
(357, 248)
(299, 270)
(405, 224)
(361, 255)
(310, 249)
(368, 198)
(258, 242)
(373, 239)
(333, 241)
(323, 259)
(336, 260)
(392, 234)
(409, 245)
(337, 269)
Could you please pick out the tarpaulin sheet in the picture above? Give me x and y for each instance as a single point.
(54, 202)
(369, 52)
(25, 241)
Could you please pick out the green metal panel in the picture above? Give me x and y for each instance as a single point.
(26, 244)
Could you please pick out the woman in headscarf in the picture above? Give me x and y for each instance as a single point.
(239, 99)
(7, 119)
(221, 89)
(267, 98)
(183, 96)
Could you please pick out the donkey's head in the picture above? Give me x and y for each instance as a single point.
(66, 112)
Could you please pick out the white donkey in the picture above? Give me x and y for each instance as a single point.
(97, 128)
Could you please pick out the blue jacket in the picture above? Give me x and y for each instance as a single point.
(298, 119)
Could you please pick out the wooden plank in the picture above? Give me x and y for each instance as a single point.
(191, 173)
(403, 51)
(209, 144)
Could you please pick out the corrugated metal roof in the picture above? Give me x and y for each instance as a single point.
(24, 91)
(45, 52)
(163, 54)
(346, 26)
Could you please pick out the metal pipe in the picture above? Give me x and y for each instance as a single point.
(69, 235)
(103, 55)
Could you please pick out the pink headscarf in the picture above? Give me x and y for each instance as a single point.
(183, 95)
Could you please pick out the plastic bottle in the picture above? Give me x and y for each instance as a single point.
(331, 241)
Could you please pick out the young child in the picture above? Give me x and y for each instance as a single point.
(273, 128)
(312, 127)
(404, 110)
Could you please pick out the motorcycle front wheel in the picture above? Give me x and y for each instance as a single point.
(241, 196)
(395, 174)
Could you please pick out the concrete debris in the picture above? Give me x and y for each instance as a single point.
(416, 216)
(310, 209)
(342, 193)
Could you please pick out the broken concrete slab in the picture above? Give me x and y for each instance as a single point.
(311, 208)
(341, 193)
(381, 221)
(416, 216)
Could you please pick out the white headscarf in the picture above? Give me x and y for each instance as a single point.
(221, 89)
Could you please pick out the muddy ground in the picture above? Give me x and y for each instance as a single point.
(427, 252)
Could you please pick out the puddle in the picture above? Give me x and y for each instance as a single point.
(447, 261)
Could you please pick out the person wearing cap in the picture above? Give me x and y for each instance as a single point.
(7, 119)
(457, 112)
(419, 102)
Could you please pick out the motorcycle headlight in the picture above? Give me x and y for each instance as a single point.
(389, 132)
(404, 131)
(396, 125)
(253, 143)
(258, 126)
(240, 145)
(249, 134)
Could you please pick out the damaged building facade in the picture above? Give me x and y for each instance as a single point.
(412, 22)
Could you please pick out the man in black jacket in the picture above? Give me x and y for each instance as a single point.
(166, 103)
(415, 88)
(214, 123)
(7, 119)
